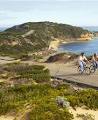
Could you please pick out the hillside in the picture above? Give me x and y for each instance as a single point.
(35, 36)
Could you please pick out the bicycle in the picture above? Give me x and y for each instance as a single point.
(93, 68)
(86, 70)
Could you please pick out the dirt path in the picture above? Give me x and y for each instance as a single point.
(69, 72)
(66, 71)
(6, 59)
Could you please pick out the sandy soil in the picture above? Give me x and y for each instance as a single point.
(74, 112)
(84, 111)
(5, 60)
(6, 117)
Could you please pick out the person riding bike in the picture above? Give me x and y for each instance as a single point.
(95, 60)
(82, 61)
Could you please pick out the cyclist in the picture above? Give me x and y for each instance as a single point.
(82, 61)
(95, 60)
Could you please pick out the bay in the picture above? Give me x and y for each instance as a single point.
(88, 47)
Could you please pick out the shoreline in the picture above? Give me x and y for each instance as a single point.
(58, 42)
(75, 41)
(69, 42)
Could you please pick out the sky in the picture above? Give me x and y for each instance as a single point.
(74, 12)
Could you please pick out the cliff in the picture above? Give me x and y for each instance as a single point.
(87, 36)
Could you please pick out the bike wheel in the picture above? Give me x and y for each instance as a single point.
(92, 69)
(87, 70)
(79, 70)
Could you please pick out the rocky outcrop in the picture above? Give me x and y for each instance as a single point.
(54, 44)
(62, 57)
(87, 36)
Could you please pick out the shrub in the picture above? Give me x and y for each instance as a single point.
(86, 97)
(49, 112)
(35, 72)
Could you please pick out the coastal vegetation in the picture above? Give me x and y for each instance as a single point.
(30, 94)
(24, 73)
(40, 99)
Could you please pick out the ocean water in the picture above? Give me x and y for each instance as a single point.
(88, 47)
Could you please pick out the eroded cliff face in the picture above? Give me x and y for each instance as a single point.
(87, 36)
(54, 44)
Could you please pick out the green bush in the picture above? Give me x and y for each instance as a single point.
(49, 112)
(87, 97)
(35, 72)
(40, 97)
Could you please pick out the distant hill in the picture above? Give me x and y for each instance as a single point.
(2, 28)
(35, 36)
(91, 28)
